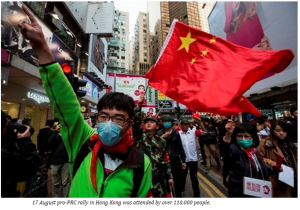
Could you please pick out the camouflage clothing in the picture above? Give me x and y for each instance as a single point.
(155, 148)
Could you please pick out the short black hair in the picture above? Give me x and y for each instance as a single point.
(207, 120)
(262, 119)
(119, 101)
(245, 128)
(293, 109)
(49, 123)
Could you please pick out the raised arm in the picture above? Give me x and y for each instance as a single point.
(34, 33)
(74, 129)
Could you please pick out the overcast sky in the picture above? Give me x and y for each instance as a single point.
(133, 7)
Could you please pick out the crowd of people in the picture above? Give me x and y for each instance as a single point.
(134, 156)
(250, 149)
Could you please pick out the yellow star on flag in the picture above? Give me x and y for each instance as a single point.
(204, 52)
(193, 61)
(186, 41)
(241, 99)
(213, 39)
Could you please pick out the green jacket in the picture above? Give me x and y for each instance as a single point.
(75, 132)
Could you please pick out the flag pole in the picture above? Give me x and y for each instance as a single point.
(146, 89)
(160, 109)
(180, 117)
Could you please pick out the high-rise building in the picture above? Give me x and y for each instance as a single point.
(205, 8)
(141, 44)
(118, 45)
(159, 22)
(161, 15)
(131, 54)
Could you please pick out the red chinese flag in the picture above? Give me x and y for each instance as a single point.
(202, 71)
(238, 106)
(149, 73)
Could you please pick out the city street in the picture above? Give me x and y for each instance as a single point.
(109, 99)
(211, 184)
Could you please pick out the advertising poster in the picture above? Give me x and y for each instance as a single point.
(150, 96)
(95, 91)
(11, 39)
(149, 111)
(88, 87)
(257, 25)
(98, 57)
(131, 85)
(93, 17)
(62, 53)
(110, 80)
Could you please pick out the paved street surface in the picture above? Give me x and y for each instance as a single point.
(211, 184)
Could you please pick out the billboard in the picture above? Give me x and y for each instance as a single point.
(131, 85)
(98, 56)
(149, 111)
(60, 52)
(11, 39)
(93, 17)
(259, 25)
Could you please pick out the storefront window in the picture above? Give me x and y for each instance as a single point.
(10, 108)
(36, 117)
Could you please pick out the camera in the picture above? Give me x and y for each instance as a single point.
(20, 128)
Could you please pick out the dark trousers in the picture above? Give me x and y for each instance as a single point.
(177, 178)
(202, 153)
(193, 168)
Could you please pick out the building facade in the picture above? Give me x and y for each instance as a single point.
(118, 45)
(22, 93)
(131, 54)
(161, 15)
(141, 44)
(205, 7)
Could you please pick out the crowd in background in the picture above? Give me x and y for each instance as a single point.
(248, 149)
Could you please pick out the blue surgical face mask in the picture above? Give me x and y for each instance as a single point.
(109, 132)
(245, 143)
(167, 124)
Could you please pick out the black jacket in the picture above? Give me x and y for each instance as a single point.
(18, 165)
(58, 150)
(239, 167)
(174, 145)
(42, 139)
(210, 137)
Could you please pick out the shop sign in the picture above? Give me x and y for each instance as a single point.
(165, 104)
(38, 98)
(94, 111)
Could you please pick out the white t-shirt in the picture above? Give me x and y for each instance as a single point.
(110, 165)
(188, 140)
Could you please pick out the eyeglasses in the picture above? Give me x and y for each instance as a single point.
(246, 136)
(118, 118)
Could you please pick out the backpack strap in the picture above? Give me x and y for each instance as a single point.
(138, 174)
(84, 151)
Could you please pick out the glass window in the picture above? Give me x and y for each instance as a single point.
(9, 108)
